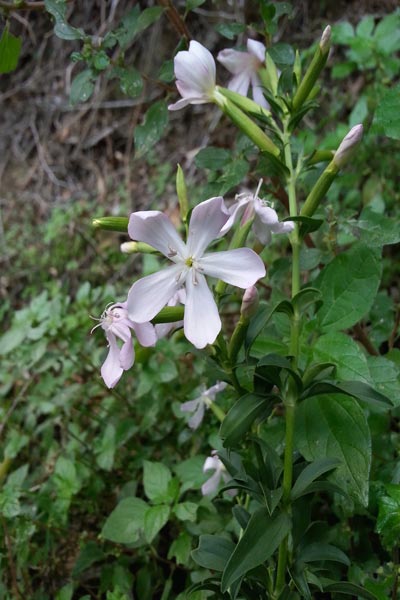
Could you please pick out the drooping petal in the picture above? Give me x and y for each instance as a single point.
(241, 267)
(258, 91)
(233, 60)
(190, 405)
(179, 104)
(283, 227)
(212, 462)
(205, 224)
(211, 485)
(257, 49)
(111, 369)
(266, 214)
(150, 294)
(154, 228)
(215, 389)
(236, 211)
(201, 321)
(145, 333)
(196, 407)
(127, 355)
(262, 231)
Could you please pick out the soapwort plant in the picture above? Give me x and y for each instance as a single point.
(294, 448)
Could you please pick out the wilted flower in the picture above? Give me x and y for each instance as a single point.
(265, 217)
(195, 76)
(245, 66)
(117, 326)
(199, 405)
(241, 267)
(213, 463)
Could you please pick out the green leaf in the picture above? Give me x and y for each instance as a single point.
(386, 377)
(213, 552)
(357, 389)
(388, 523)
(259, 541)
(241, 417)
(387, 34)
(82, 87)
(131, 82)
(181, 548)
(311, 473)
(261, 319)
(320, 551)
(126, 522)
(387, 115)
(335, 426)
(348, 285)
(12, 338)
(376, 229)
(307, 224)
(57, 8)
(306, 298)
(105, 448)
(282, 54)
(66, 32)
(190, 473)
(148, 17)
(192, 4)
(153, 127)
(213, 158)
(154, 520)
(156, 478)
(89, 554)
(342, 351)
(186, 511)
(230, 30)
(10, 49)
(351, 589)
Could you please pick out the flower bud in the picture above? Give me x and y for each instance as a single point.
(348, 145)
(181, 192)
(250, 302)
(133, 247)
(325, 42)
(112, 223)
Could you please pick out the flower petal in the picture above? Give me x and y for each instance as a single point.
(197, 418)
(266, 214)
(205, 224)
(257, 49)
(241, 267)
(127, 355)
(111, 369)
(240, 83)
(145, 333)
(201, 321)
(195, 68)
(236, 210)
(154, 228)
(236, 62)
(211, 485)
(215, 389)
(150, 294)
(258, 92)
(262, 231)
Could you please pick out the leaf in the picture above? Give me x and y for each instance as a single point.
(351, 589)
(82, 87)
(387, 116)
(348, 285)
(12, 339)
(241, 417)
(10, 49)
(180, 548)
(154, 520)
(213, 552)
(341, 350)
(282, 54)
(386, 377)
(156, 478)
(153, 127)
(230, 30)
(66, 32)
(126, 522)
(306, 298)
(131, 82)
(186, 511)
(192, 4)
(148, 17)
(259, 541)
(388, 523)
(261, 319)
(376, 229)
(213, 158)
(57, 8)
(89, 554)
(319, 551)
(357, 389)
(311, 473)
(335, 426)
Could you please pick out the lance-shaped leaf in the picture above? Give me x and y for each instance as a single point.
(357, 389)
(311, 473)
(242, 415)
(213, 552)
(261, 319)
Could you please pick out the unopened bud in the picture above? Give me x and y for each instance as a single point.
(250, 302)
(111, 223)
(325, 42)
(348, 145)
(133, 247)
(181, 192)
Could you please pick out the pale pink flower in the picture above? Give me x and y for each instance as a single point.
(266, 221)
(240, 267)
(163, 329)
(213, 463)
(200, 404)
(245, 66)
(195, 76)
(117, 326)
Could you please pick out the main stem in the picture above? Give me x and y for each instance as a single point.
(291, 398)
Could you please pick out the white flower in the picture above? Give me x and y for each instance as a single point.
(195, 76)
(265, 217)
(245, 66)
(240, 267)
(213, 463)
(117, 325)
(198, 406)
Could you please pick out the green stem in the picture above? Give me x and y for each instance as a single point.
(290, 401)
